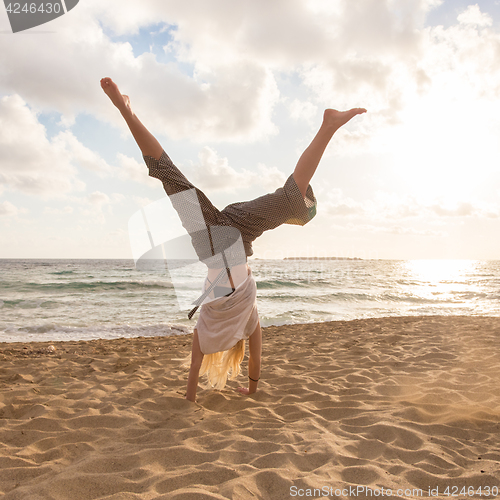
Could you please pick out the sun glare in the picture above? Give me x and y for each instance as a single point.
(447, 281)
(440, 272)
(449, 155)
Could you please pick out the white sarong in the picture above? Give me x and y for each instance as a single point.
(225, 321)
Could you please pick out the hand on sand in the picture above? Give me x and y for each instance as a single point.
(245, 391)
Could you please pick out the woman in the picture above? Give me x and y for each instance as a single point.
(230, 315)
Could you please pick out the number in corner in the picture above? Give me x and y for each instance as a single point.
(486, 491)
(49, 7)
(15, 9)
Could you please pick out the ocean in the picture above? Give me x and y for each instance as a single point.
(53, 300)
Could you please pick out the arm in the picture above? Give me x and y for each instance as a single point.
(254, 361)
(194, 371)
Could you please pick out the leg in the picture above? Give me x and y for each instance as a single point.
(254, 361)
(173, 180)
(145, 140)
(194, 371)
(308, 162)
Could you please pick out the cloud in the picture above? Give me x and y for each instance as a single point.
(386, 206)
(58, 211)
(216, 79)
(338, 205)
(142, 201)
(463, 59)
(8, 209)
(383, 206)
(131, 169)
(98, 199)
(226, 104)
(96, 204)
(303, 111)
(391, 229)
(473, 16)
(32, 163)
(235, 103)
(400, 230)
(215, 174)
(466, 209)
(407, 66)
(82, 155)
(29, 161)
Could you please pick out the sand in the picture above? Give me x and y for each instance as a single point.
(343, 407)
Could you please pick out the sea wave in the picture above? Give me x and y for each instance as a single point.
(89, 286)
(29, 304)
(107, 299)
(265, 284)
(57, 332)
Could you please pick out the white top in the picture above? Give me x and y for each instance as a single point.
(239, 274)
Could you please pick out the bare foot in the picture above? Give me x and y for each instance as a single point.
(122, 102)
(335, 119)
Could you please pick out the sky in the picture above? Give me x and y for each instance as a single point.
(235, 91)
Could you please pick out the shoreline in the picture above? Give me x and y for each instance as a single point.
(188, 333)
(400, 402)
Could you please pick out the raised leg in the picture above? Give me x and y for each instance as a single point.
(145, 140)
(194, 371)
(309, 161)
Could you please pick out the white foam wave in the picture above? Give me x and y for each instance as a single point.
(53, 332)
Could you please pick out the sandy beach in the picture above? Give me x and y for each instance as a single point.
(401, 404)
